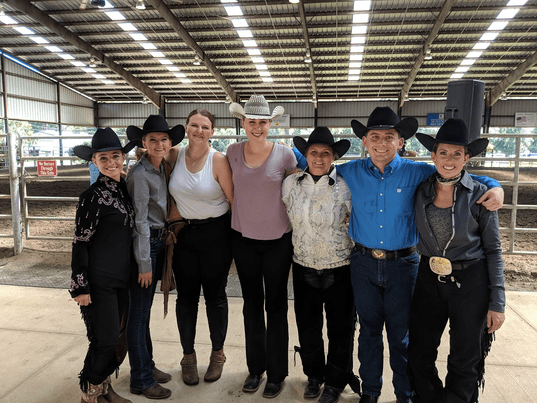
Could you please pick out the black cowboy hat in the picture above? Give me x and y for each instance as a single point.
(384, 118)
(103, 140)
(453, 131)
(322, 135)
(156, 124)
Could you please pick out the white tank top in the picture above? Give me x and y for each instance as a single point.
(198, 196)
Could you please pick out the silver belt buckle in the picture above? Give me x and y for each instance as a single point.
(378, 254)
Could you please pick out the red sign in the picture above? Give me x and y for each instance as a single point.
(46, 168)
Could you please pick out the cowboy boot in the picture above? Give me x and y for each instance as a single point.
(216, 364)
(189, 366)
(93, 395)
(110, 395)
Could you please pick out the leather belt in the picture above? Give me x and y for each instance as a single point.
(459, 264)
(382, 254)
(204, 221)
(155, 232)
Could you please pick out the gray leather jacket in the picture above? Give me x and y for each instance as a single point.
(476, 233)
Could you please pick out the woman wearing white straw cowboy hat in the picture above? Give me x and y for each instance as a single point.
(318, 202)
(261, 242)
(460, 276)
(101, 263)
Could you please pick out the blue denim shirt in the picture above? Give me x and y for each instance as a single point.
(476, 232)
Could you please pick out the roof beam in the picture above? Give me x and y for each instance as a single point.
(183, 33)
(511, 79)
(304, 24)
(26, 7)
(446, 9)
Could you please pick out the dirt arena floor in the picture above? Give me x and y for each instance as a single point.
(520, 270)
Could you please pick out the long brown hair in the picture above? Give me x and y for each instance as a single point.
(202, 112)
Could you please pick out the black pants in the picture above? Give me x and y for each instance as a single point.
(263, 268)
(331, 289)
(435, 303)
(109, 302)
(201, 258)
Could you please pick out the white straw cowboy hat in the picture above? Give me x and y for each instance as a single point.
(257, 107)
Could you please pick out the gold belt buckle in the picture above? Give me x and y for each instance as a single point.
(440, 266)
(378, 254)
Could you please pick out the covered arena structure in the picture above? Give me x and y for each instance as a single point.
(68, 67)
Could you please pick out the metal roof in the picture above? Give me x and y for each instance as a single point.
(387, 40)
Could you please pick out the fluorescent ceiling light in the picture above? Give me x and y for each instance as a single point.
(357, 39)
(249, 43)
(107, 4)
(359, 29)
(138, 37)
(265, 73)
(354, 78)
(78, 64)
(148, 45)
(258, 60)
(267, 79)
(228, 1)
(488, 36)
(66, 56)
(481, 45)
(127, 26)
(115, 15)
(99, 76)
(294, 1)
(497, 25)
(8, 20)
(354, 72)
(474, 55)
(140, 5)
(456, 76)
(24, 30)
(39, 39)
(253, 52)
(516, 3)
(108, 82)
(355, 56)
(54, 49)
(165, 61)
(362, 5)
(360, 18)
(357, 49)
(468, 62)
(261, 66)
(245, 33)
(507, 14)
(157, 54)
(172, 68)
(355, 65)
(179, 75)
(233, 10)
(239, 23)
(186, 81)
(88, 69)
(462, 69)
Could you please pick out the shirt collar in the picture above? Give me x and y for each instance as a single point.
(391, 167)
(147, 165)
(331, 176)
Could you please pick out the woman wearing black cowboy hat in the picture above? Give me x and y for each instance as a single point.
(101, 262)
(460, 276)
(318, 202)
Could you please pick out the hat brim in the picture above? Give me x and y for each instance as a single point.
(238, 111)
(407, 127)
(476, 147)
(339, 147)
(86, 152)
(176, 133)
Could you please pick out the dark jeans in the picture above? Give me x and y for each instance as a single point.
(466, 309)
(138, 333)
(109, 301)
(263, 268)
(202, 258)
(333, 290)
(382, 294)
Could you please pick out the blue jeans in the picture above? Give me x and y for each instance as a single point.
(382, 294)
(138, 334)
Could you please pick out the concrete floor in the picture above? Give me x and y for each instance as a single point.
(43, 343)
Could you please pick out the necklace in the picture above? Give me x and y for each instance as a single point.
(193, 162)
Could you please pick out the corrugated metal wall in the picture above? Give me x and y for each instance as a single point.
(123, 115)
(177, 113)
(503, 112)
(340, 114)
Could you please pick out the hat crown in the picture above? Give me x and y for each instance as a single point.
(105, 139)
(453, 131)
(321, 135)
(156, 123)
(382, 116)
(257, 105)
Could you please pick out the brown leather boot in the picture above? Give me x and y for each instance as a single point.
(110, 395)
(93, 395)
(189, 366)
(216, 364)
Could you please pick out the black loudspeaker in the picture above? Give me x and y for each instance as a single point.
(465, 100)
